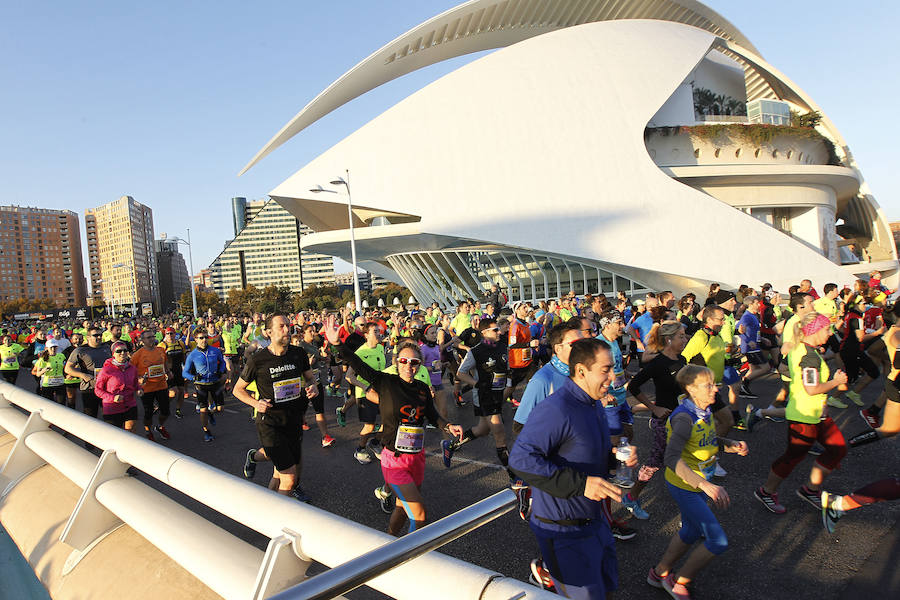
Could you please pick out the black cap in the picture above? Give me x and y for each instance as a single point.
(723, 296)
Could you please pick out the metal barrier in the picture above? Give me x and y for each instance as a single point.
(298, 533)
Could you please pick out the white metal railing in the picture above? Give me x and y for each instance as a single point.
(298, 533)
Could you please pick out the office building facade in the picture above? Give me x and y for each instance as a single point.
(40, 256)
(173, 274)
(267, 252)
(121, 253)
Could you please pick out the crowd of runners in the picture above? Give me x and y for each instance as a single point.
(575, 369)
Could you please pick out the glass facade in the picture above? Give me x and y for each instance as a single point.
(450, 276)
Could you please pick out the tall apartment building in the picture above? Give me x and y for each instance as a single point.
(121, 252)
(346, 280)
(40, 256)
(173, 274)
(267, 252)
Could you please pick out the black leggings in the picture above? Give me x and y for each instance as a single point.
(10, 376)
(854, 360)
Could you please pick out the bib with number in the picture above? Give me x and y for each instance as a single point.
(154, 371)
(52, 381)
(436, 366)
(499, 381)
(10, 360)
(410, 439)
(287, 389)
(708, 468)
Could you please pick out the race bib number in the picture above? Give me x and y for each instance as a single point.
(97, 371)
(52, 381)
(154, 371)
(435, 366)
(9, 360)
(288, 389)
(499, 381)
(526, 354)
(619, 381)
(410, 439)
(708, 468)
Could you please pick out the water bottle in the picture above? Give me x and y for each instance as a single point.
(623, 474)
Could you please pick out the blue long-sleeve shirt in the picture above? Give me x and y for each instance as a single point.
(547, 380)
(565, 440)
(204, 366)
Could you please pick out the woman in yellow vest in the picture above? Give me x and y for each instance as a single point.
(691, 448)
(49, 367)
(806, 414)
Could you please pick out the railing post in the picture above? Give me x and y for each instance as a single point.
(90, 522)
(284, 565)
(22, 460)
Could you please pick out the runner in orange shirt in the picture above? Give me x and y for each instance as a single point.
(153, 370)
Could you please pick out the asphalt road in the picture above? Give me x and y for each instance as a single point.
(774, 556)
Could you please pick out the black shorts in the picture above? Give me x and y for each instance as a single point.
(73, 386)
(119, 419)
(50, 393)
(10, 375)
(90, 403)
(854, 360)
(771, 338)
(177, 379)
(520, 375)
(756, 358)
(161, 398)
(207, 392)
(318, 402)
(490, 402)
(368, 411)
(281, 436)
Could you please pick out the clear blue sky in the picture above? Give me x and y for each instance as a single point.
(167, 101)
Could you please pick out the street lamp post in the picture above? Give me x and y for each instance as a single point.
(346, 183)
(190, 263)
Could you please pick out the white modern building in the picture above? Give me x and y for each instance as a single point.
(604, 146)
(267, 252)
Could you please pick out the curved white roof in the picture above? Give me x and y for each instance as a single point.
(487, 24)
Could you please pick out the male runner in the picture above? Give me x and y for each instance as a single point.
(205, 366)
(278, 370)
(154, 370)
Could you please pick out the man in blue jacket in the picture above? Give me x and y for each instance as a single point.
(563, 453)
(205, 366)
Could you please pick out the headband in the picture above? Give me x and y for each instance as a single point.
(817, 324)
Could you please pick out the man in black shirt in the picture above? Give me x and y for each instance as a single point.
(277, 371)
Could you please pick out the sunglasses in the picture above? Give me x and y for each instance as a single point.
(492, 329)
(96, 335)
(413, 362)
(121, 352)
(199, 337)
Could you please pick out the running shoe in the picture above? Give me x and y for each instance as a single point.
(835, 402)
(654, 579)
(540, 576)
(150, 436)
(212, 418)
(515, 402)
(374, 447)
(720, 472)
(179, 414)
(621, 531)
(814, 497)
(775, 419)
(460, 401)
(249, 464)
(870, 418)
(865, 437)
(298, 494)
(770, 501)
(385, 498)
(854, 397)
(523, 495)
(362, 456)
(305, 426)
(739, 423)
(341, 417)
(679, 591)
(816, 450)
(830, 515)
(447, 450)
(746, 392)
(750, 417)
(633, 506)
(208, 437)
(163, 432)
(327, 441)
(196, 408)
